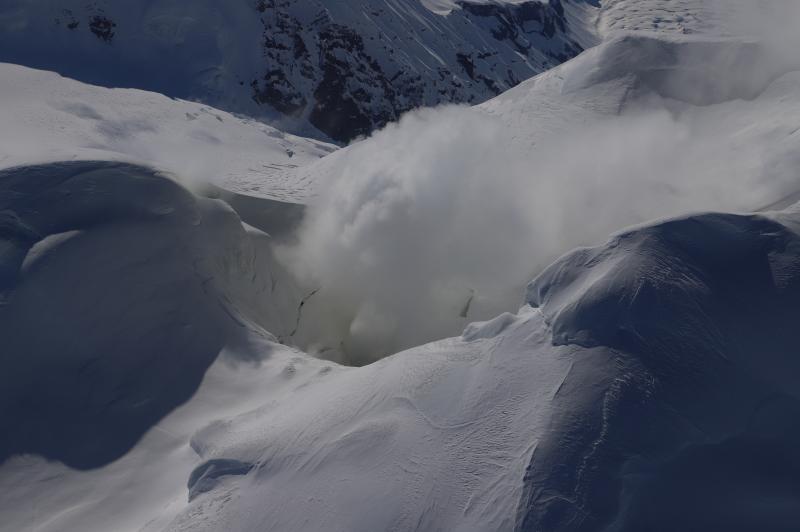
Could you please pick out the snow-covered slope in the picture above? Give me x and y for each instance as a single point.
(626, 397)
(48, 118)
(345, 67)
(697, 427)
(649, 384)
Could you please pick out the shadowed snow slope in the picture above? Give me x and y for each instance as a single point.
(698, 315)
(118, 288)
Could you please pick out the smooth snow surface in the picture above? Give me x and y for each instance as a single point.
(47, 118)
(118, 289)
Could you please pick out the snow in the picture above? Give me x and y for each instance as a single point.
(275, 60)
(702, 305)
(627, 132)
(145, 488)
(465, 433)
(649, 382)
(49, 118)
(670, 16)
(414, 417)
(137, 286)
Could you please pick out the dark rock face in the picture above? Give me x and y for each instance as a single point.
(349, 87)
(68, 19)
(102, 27)
(95, 20)
(510, 21)
(331, 68)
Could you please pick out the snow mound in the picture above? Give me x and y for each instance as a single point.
(697, 71)
(678, 272)
(654, 388)
(698, 314)
(118, 288)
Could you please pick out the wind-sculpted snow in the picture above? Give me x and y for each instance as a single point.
(118, 288)
(653, 387)
(694, 71)
(207, 475)
(698, 314)
(650, 385)
(764, 18)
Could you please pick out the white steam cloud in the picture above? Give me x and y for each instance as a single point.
(442, 218)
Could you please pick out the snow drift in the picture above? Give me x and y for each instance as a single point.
(332, 68)
(118, 288)
(697, 315)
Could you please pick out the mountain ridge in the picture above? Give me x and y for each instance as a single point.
(335, 70)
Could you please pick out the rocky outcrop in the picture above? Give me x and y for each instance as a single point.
(350, 77)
